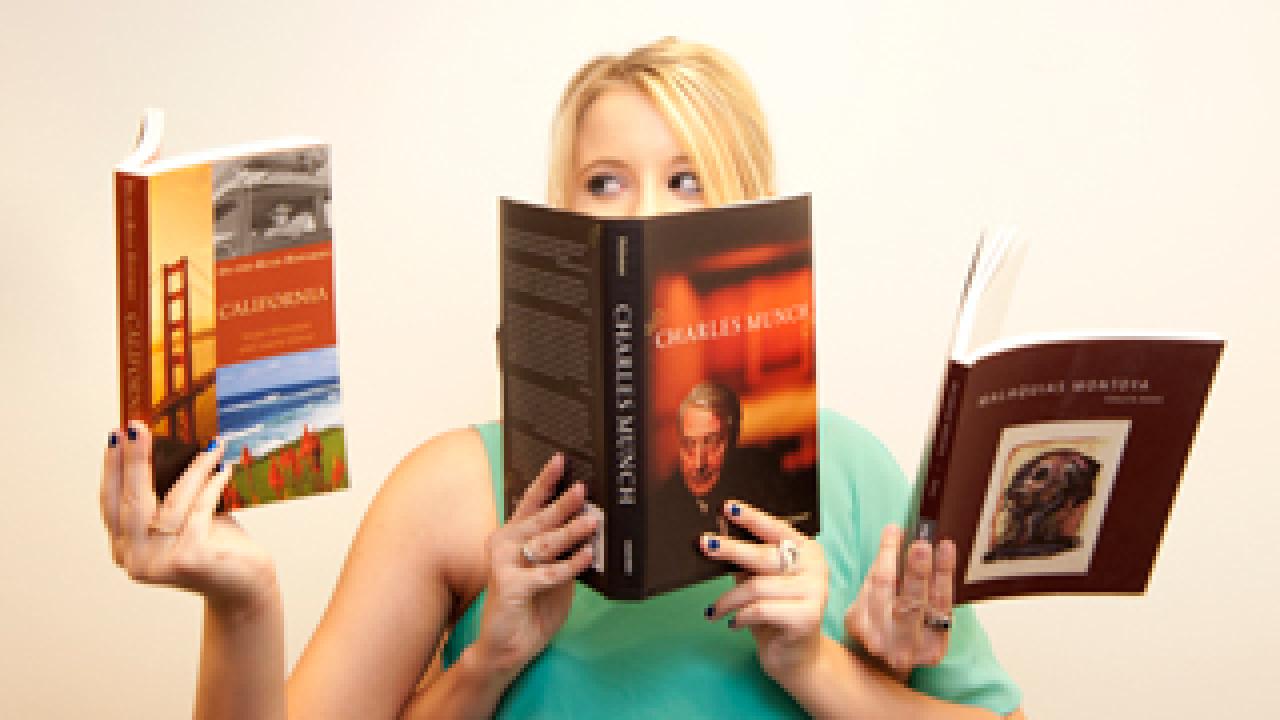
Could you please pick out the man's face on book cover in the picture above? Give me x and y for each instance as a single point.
(703, 443)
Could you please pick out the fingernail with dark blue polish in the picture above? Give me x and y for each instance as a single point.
(735, 509)
(113, 439)
(212, 444)
(713, 544)
(711, 610)
(133, 434)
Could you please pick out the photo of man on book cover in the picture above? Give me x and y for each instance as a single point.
(733, 397)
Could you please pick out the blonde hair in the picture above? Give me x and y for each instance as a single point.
(704, 96)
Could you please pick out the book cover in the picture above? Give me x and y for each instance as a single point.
(226, 313)
(1056, 458)
(672, 360)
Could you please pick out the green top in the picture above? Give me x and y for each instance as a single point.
(661, 658)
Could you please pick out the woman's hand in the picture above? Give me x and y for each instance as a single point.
(179, 542)
(780, 595)
(905, 628)
(529, 589)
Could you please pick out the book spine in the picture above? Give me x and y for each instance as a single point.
(133, 297)
(931, 484)
(622, 298)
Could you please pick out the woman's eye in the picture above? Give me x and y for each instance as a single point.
(604, 184)
(685, 183)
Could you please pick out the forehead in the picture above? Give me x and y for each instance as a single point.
(623, 124)
(699, 421)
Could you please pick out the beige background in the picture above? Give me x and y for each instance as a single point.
(1135, 143)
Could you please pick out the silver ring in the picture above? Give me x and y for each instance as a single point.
(788, 553)
(527, 553)
(937, 622)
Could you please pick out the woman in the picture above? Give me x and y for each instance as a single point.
(670, 127)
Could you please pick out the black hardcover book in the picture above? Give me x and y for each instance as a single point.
(672, 360)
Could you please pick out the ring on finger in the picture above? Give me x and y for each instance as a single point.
(788, 553)
(940, 622)
(530, 557)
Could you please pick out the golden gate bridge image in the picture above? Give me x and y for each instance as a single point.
(183, 368)
(181, 385)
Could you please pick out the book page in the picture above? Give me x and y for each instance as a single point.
(992, 275)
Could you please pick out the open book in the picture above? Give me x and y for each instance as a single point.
(671, 359)
(226, 312)
(1055, 458)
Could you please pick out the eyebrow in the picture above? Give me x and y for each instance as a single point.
(613, 162)
(606, 162)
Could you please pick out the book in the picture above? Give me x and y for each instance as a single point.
(226, 313)
(1055, 458)
(672, 360)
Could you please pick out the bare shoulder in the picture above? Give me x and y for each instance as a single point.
(441, 495)
(417, 557)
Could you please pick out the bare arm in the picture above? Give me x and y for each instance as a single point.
(837, 685)
(428, 544)
(242, 660)
(418, 554)
(419, 547)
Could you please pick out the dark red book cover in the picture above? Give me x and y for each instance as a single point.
(1055, 460)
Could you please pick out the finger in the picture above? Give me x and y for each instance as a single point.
(868, 634)
(558, 512)
(795, 616)
(206, 500)
(881, 583)
(137, 491)
(941, 592)
(758, 587)
(914, 597)
(173, 511)
(109, 497)
(549, 575)
(944, 575)
(539, 491)
(755, 558)
(886, 561)
(940, 599)
(553, 543)
(879, 591)
(759, 523)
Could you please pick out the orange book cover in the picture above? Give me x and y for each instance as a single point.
(226, 313)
